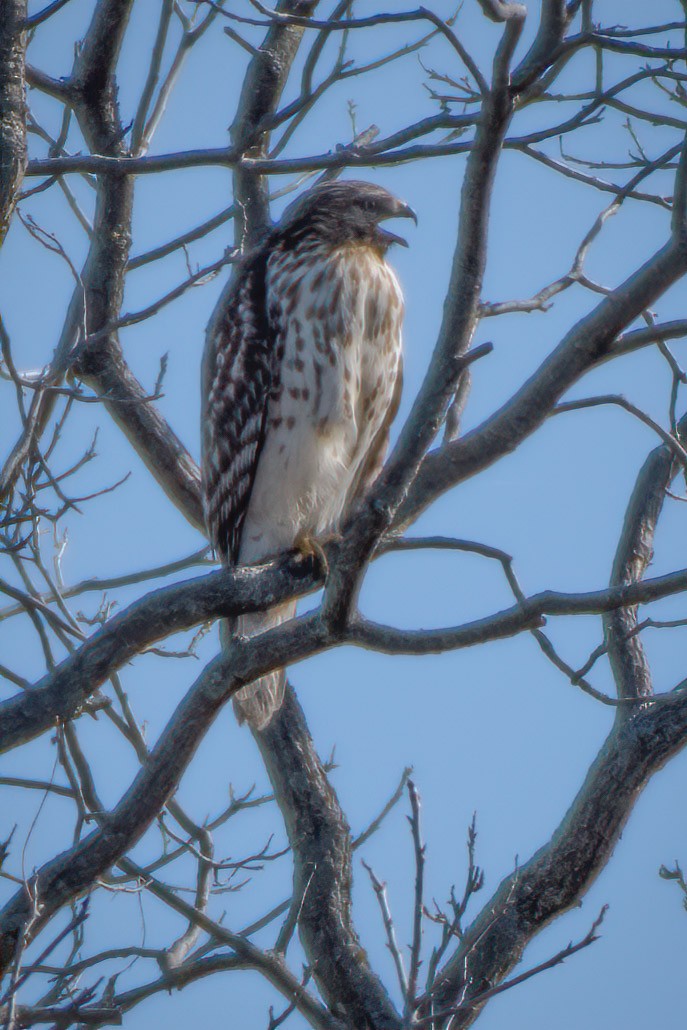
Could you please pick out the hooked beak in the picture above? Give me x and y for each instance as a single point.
(404, 211)
(399, 210)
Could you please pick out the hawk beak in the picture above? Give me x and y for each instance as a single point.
(399, 210)
(405, 211)
(387, 238)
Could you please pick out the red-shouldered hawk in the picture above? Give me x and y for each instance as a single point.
(302, 380)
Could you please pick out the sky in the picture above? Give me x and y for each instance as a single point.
(495, 730)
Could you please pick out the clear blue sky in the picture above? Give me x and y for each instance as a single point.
(494, 730)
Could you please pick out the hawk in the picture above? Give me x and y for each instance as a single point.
(302, 379)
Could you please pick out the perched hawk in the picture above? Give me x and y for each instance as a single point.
(302, 379)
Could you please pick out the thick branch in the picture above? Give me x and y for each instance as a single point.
(102, 365)
(97, 297)
(62, 693)
(632, 558)
(12, 104)
(557, 876)
(553, 22)
(321, 843)
(235, 591)
(448, 363)
(263, 85)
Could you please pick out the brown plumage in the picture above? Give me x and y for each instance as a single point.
(302, 379)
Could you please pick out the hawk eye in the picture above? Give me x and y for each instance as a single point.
(369, 204)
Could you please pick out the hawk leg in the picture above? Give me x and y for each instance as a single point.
(313, 547)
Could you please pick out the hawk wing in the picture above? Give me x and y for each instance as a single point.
(240, 372)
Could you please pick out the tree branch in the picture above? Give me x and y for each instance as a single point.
(560, 873)
(13, 155)
(590, 342)
(160, 613)
(633, 555)
(320, 838)
(262, 88)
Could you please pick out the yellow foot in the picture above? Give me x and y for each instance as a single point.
(312, 548)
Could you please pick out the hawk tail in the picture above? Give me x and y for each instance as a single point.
(257, 702)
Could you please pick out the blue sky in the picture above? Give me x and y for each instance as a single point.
(496, 730)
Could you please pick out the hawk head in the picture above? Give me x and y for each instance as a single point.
(345, 212)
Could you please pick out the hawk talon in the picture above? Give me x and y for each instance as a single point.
(312, 549)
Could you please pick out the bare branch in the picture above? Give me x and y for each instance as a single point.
(37, 19)
(587, 344)
(550, 963)
(320, 840)
(138, 129)
(155, 617)
(418, 907)
(12, 101)
(613, 399)
(390, 930)
(633, 555)
(391, 803)
(528, 614)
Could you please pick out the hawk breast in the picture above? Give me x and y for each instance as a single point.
(305, 383)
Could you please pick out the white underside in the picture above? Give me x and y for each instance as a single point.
(309, 462)
(339, 373)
